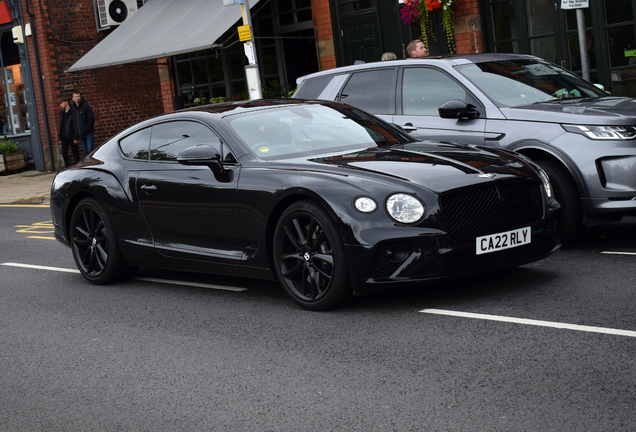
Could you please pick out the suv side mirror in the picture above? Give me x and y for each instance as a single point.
(202, 154)
(457, 109)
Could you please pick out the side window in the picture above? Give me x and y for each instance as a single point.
(370, 91)
(311, 89)
(170, 139)
(425, 89)
(136, 146)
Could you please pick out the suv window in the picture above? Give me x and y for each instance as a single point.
(370, 91)
(135, 146)
(170, 139)
(425, 89)
(312, 88)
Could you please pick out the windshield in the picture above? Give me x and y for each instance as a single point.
(526, 81)
(288, 131)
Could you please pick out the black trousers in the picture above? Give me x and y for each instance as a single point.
(66, 143)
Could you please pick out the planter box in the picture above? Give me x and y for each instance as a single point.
(13, 161)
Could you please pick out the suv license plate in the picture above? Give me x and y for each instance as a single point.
(504, 240)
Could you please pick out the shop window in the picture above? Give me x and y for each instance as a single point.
(15, 117)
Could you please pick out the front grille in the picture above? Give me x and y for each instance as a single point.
(492, 209)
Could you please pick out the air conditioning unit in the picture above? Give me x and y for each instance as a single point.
(114, 12)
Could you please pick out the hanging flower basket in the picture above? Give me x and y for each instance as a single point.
(421, 11)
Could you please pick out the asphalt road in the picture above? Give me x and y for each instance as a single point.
(155, 356)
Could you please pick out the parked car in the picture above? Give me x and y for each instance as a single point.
(581, 136)
(329, 200)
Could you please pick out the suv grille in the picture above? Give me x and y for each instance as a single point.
(492, 209)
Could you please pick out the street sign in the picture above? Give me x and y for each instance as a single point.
(575, 4)
(244, 33)
(232, 2)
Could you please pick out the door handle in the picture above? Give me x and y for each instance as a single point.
(409, 127)
(148, 188)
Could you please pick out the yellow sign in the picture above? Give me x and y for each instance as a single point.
(244, 33)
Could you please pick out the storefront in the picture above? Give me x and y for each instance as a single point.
(17, 89)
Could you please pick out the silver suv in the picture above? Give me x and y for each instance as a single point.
(582, 137)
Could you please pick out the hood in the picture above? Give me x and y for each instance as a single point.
(589, 111)
(435, 166)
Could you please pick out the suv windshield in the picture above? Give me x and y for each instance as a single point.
(311, 129)
(526, 81)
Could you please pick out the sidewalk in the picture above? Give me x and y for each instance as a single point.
(27, 187)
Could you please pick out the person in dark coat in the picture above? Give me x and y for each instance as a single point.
(66, 133)
(83, 123)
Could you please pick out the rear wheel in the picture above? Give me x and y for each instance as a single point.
(310, 258)
(570, 219)
(94, 244)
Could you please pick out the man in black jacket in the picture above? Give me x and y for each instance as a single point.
(66, 133)
(83, 123)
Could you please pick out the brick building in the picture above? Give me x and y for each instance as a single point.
(293, 38)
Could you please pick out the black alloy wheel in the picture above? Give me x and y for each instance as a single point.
(310, 258)
(94, 245)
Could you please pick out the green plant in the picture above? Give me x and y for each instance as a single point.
(274, 90)
(9, 146)
(206, 101)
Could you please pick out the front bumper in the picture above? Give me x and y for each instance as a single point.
(607, 172)
(416, 260)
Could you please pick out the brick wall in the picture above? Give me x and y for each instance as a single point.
(120, 96)
(324, 32)
(468, 27)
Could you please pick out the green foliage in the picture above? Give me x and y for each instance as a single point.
(271, 91)
(206, 101)
(9, 146)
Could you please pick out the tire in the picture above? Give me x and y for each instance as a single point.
(310, 259)
(570, 220)
(94, 244)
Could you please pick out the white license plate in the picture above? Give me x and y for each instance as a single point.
(504, 240)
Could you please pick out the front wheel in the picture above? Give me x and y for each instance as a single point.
(310, 258)
(94, 245)
(570, 219)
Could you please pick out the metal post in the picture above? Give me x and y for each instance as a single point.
(585, 64)
(252, 74)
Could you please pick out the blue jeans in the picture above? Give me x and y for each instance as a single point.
(88, 143)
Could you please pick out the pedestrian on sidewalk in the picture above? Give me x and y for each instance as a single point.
(83, 123)
(66, 132)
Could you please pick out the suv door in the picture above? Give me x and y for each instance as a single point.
(372, 91)
(421, 91)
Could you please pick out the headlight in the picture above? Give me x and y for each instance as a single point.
(603, 132)
(546, 182)
(365, 204)
(405, 208)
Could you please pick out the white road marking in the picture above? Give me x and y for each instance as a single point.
(166, 281)
(59, 269)
(532, 322)
(619, 253)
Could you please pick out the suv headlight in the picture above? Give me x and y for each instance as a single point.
(603, 132)
(405, 208)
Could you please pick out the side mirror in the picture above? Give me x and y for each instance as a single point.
(457, 109)
(202, 155)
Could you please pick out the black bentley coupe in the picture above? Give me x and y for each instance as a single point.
(327, 199)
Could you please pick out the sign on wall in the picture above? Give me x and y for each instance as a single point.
(575, 4)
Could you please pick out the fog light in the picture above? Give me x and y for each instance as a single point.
(396, 254)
